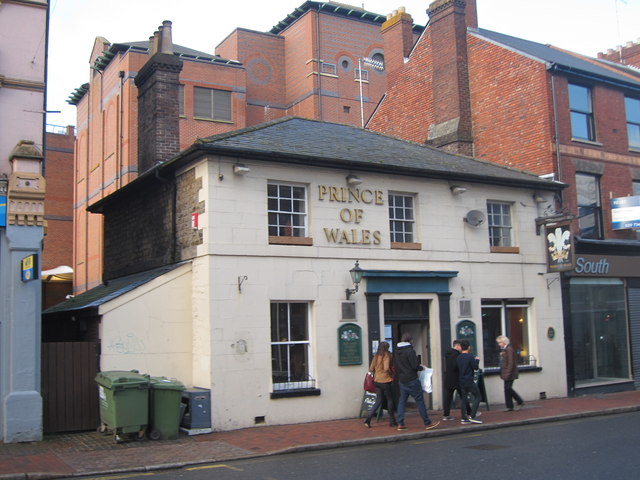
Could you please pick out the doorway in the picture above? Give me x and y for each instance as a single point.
(408, 316)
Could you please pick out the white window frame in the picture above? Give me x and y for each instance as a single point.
(408, 217)
(310, 382)
(500, 232)
(281, 212)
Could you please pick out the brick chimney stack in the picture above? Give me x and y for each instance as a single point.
(158, 83)
(627, 55)
(397, 33)
(452, 129)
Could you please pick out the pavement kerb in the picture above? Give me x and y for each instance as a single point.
(329, 445)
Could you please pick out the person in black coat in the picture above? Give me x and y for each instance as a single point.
(407, 368)
(451, 380)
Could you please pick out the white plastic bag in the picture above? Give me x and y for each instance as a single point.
(424, 376)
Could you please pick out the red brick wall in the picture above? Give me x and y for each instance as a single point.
(511, 108)
(58, 203)
(627, 55)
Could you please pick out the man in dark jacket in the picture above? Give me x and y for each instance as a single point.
(467, 365)
(407, 368)
(451, 381)
(509, 372)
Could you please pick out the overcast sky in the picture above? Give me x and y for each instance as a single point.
(583, 26)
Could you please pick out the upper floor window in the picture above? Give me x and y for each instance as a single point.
(508, 318)
(361, 75)
(499, 217)
(401, 218)
(290, 345)
(328, 68)
(589, 205)
(181, 100)
(211, 104)
(287, 210)
(580, 105)
(632, 108)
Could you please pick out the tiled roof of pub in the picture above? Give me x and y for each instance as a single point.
(568, 62)
(316, 143)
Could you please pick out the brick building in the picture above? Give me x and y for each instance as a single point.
(232, 260)
(556, 114)
(306, 66)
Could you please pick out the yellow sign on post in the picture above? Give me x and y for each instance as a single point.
(29, 268)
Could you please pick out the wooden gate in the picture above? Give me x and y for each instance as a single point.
(69, 391)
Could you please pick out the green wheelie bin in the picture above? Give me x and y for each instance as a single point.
(165, 408)
(124, 403)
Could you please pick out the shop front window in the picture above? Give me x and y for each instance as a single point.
(599, 331)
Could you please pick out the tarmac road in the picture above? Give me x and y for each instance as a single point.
(585, 448)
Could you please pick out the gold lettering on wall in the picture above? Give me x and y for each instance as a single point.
(351, 215)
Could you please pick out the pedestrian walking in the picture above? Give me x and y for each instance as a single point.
(508, 373)
(407, 367)
(451, 374)
(381, 367)
(467, 365)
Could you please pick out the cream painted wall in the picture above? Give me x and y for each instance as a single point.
(149, 328)
(236, 245)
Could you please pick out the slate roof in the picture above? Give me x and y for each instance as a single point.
(566, 61)
(313, 143)
(108, 291)
(334, 8)
(317, 143)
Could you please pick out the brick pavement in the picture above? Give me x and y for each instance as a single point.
(86, 453)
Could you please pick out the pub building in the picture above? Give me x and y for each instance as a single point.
(266, 264)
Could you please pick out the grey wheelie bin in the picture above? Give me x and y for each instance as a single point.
(165, 408)
(124, 403)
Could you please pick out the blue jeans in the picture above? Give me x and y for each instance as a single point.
(413, 388)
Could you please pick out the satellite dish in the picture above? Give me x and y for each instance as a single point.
(475, 218)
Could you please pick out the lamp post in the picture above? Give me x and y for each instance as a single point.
(378, 65)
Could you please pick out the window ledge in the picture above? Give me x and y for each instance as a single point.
(214, 120)
(276, 240)
(634, 149)
(587, 142)
(301, 392)
(491, 371)
(505, 249)
(406, 245)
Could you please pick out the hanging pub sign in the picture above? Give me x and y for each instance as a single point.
(350, 344)
(559, 248)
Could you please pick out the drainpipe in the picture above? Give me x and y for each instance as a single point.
(319, 64)
(551, 68)
(121, 140)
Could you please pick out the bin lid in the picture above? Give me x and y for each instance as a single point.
(160, 383)
(121, 379)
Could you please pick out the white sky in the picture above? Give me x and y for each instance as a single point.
(583, 26)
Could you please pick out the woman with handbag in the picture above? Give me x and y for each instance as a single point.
(382, 369)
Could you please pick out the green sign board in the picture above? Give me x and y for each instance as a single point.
(466, 330)
(350, 344)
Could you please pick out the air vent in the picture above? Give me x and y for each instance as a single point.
(465, 308)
